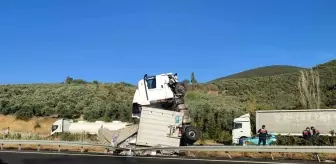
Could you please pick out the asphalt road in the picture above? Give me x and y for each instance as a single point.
(13, 157)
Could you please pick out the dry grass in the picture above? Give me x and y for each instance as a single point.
(294, 156)
(26, 126)
(22, 126)
(288, 156)
(55, 148)
(206, 142)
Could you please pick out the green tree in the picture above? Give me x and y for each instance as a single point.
(68, 80)
(193, 79)
(79, 81)
(186, 81)
(309, 87)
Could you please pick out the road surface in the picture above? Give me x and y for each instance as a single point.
(14, 157)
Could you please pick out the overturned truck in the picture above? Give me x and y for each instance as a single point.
(163, 118)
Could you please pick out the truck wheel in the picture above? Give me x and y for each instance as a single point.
(192, 133)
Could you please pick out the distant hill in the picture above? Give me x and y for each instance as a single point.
(214, 105)
(263, 71)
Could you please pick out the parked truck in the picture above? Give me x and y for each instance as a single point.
(164, 119)
(69, 126)
(285, 122)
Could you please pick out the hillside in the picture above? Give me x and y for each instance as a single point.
(92, 101)
(213, 105)
(263, 71)
(216, 104)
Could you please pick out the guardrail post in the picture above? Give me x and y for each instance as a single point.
(228, 154)
(38, 147)
(272, 156)
(19, 147)
(191, 154)
(317, 157)
(2, 146)
(59, 148)
(106, 150)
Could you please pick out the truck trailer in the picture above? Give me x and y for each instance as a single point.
(285, 122)
(69, 126)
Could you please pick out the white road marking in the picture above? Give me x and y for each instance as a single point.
(165, 158)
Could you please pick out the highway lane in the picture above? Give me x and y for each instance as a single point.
(14, 157)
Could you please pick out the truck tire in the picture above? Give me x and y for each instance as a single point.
(192, 134)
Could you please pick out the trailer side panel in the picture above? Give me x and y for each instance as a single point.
(154, 127)
(293, 122)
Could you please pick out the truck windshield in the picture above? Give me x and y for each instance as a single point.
(237, 125)
(151, 83)
(54, 127)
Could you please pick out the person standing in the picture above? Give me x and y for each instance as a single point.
(262, 133)
(315, 132)
(7, 132)
(306, 134)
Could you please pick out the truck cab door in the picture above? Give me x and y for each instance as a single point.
(237, 132)
(155, 88)
(240, 129)
(57, 126)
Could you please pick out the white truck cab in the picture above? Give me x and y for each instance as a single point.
(241, 128)
(153, 90)
(60, 125)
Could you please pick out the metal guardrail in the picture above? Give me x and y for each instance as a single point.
(266, 149)
(269, 149)
(288, 149)
(50, 142)
(257, 149)
(54, 143)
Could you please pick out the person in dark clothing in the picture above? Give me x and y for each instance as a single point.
(315, 131)
(315, 134)
(262, 135)
(306, 133)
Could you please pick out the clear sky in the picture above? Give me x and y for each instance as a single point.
(113, 41)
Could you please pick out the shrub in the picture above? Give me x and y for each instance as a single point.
(314, 140)
(37, 125)
(66, 136)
